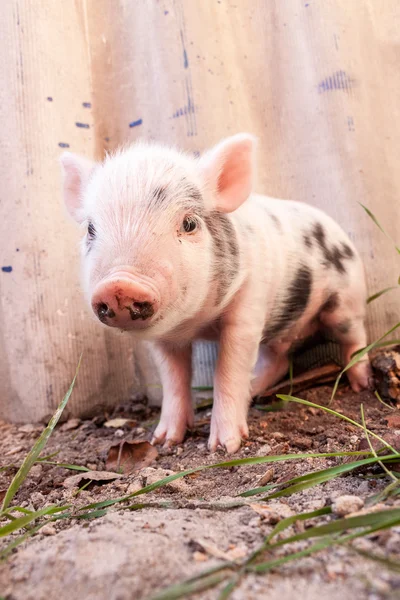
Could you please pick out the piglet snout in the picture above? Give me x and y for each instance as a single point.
(124, 302)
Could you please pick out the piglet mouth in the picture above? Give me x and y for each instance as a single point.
(126, 302)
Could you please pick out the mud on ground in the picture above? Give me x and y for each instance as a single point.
(131, 555)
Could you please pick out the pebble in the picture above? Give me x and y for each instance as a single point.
(134, 487)
(48, 530)
(28, 428)
(119, 433)
(200, 556)
(36, 471)
(277, 435)
(70, 424)
(264, 450)
(303, 443)
(345, 505)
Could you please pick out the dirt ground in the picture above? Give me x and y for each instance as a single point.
(132, 554)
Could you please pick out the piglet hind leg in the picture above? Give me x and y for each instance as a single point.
(175, 369)
(348, 328)
(271, 366)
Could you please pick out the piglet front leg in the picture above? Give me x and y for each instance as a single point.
(239, 343)
(175, 366)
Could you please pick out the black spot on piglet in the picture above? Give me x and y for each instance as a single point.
(333, 255)
(294, 304)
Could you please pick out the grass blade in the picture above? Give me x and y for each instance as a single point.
(336, 414)
(285, 523)
(380, 519)
(19, 540)
(383, 467)
(304, 482)
(25, 520)
(64, 465)
(182, 590)
(379, 294)
(386, 562)
(375, 220)
(33, 455)
(256, 460)
(359, 355)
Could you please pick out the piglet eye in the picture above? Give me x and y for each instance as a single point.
(189, 225)
(91, 230)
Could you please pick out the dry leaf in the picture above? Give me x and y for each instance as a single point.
(393, 420)
(2, 495)
(119, 423)
(95, 476)
(266, 478)
(128, 457)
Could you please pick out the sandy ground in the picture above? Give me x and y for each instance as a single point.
(133, 554)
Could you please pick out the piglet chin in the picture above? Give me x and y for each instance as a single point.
(125, 301)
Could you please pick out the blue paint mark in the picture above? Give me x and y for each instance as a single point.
(185, 57)
(107, 139)
(196, 154)
(83, 125)
(136, 123)
(350, 124)
(306, 5)
(17, 249)
(63, 145)
(49, 98)
(86, 105)
(6, 269)
(340, 80)
(166, 12)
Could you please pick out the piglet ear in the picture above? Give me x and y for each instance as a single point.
(228, 169)
(76, 174)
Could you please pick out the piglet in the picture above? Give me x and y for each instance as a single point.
(178, 249)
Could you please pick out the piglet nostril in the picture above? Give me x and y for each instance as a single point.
(141, 310)
(104, 312)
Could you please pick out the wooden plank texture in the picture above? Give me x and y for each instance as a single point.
(317, 82)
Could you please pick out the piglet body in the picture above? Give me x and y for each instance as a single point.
(179, 249)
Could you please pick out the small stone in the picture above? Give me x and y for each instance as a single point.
(179, 450)
(134, 487)
(28, 428)
(38, 500)
(70, 424)
(36, 471)
(119, 433)
(353, 439)
(48, 530)
(264, 450)
(266, 478)
(303, 443)
(92, 466)
(200, 556)
(140, 430)
(277, 435)
(345, 505)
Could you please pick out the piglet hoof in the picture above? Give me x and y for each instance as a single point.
(226, 438)
(171, 432)
(361, 377)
